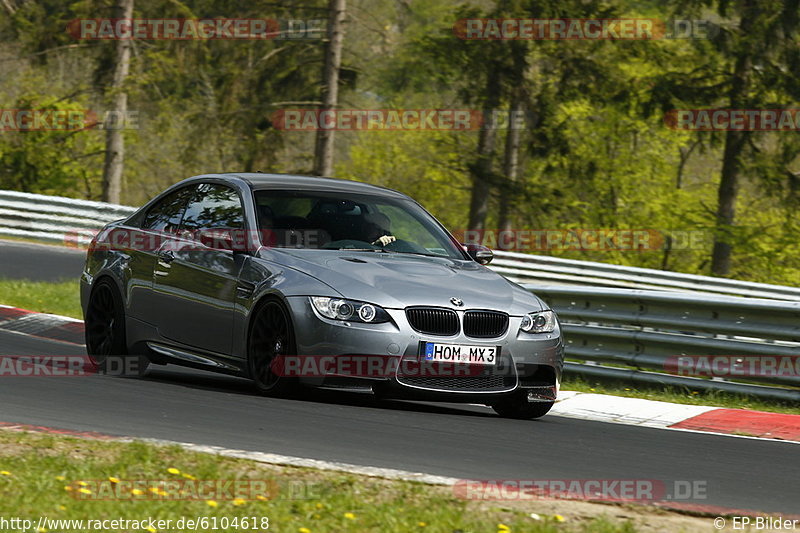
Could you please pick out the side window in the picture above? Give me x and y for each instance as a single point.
(214, 207)
(166, 214)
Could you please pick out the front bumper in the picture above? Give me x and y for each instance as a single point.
(527, 361)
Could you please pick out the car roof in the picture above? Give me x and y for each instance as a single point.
(261, 181)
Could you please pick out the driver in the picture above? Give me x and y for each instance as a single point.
(377, 229)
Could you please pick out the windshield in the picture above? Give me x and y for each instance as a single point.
(346, 221)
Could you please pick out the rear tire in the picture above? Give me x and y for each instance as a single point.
(518, 407)
(271, 336)
(106, 338)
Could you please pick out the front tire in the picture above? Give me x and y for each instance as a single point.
(519, 408)
(106, 338)
(271, 338)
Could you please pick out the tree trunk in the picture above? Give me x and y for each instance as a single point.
(735, 142)
(511, 162)
(115, 118)
(10, 6)
(481, 170)
(323, 151)
(726, 202)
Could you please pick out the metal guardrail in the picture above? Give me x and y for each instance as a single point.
(635, 319)
(642, 333)
(527, 268)
(53, 218)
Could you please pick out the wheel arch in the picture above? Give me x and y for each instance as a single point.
(255, 309)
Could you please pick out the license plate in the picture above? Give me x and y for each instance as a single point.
(460, 353)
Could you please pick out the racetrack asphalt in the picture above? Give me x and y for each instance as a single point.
(39, 262)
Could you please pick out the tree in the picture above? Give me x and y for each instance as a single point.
(115, 142)
(323, 152)
(754, 63)
(516, 109)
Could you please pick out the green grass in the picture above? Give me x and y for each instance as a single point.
(679, 395)
(40, 475)
(60, 298)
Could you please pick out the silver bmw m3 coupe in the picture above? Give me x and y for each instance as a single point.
(301, 281)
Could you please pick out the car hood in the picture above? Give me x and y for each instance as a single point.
(396, 281)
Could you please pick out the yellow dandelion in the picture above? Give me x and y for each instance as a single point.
(262, 498)
(60, 478)
(41, 530)
(239, 501)
(421, 524)
(5, 473)
(113, 479)
(68, 487)
(173, 470)
(211, 503)
(592, 390)
(503, 527)
(84, 491)
(152, 529)
(320, 506)
(62, 508)
(137, 492)
(189, 476)
(154, 490)
(82, 484)
(558, 518)
(303, 530)
(350, 516)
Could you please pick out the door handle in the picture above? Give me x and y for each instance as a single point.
(166, 256)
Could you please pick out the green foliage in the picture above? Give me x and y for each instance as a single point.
(50, 161)
(426, 165)
(596, 154)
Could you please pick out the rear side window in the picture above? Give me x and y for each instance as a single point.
(166, 214)
(214, 207)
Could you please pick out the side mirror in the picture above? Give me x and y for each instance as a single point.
(479, 253)
(223, 239)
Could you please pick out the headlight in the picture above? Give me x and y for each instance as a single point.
(541, 322)
(341, 309)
